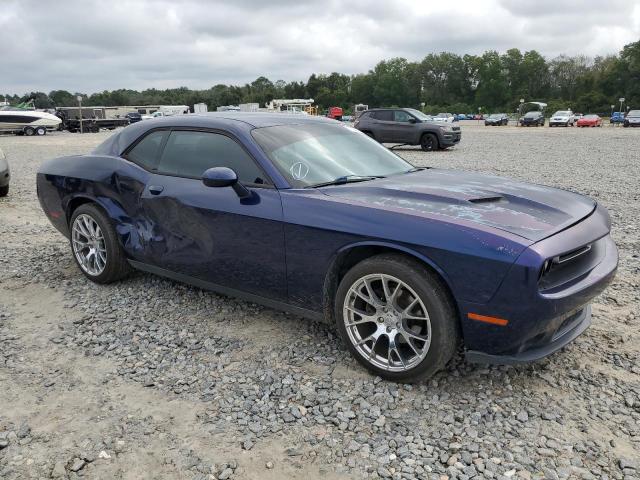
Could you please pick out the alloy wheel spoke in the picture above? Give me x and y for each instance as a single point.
(363, 297)
(414, 317)
(385, 289)
(87, 226)
(376, 301)
(410, 334)
(82, 229)
(359, 322)
(408, 340)
(368, 339)
(411, 305)
(397, 352)
(373, 348)
(357, 311)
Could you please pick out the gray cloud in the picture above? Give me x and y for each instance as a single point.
(91, 45)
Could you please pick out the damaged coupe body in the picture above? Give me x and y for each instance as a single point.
(519, 262)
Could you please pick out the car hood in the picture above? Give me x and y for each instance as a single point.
(530, 211)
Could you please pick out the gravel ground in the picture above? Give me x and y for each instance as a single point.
(149, 378)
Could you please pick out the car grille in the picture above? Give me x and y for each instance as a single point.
(565, 269)
(455, 129)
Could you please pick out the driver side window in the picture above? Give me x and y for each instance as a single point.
(401, 116)
(189, 154)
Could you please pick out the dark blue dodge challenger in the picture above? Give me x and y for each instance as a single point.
(307, 215)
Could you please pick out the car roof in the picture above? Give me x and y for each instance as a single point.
(230, 121)
(388, 108)
(258, 119)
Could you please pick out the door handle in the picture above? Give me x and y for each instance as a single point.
(155, 189)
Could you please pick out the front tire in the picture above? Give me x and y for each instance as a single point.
(396, 317)
(40, 131)
(95, 246)
(29, 131)
(429, 142)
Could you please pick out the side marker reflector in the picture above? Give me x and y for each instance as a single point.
(486, 319)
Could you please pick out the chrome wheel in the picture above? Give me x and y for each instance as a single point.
(387, 322)
(88, 245)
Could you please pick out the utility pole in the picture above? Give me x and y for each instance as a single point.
(519, 112)
(80, 111)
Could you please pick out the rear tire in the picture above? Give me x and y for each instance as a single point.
(429, 142)
(29, 131)
(88, 243)
(422, 338)
(4, 191)
(40, 131)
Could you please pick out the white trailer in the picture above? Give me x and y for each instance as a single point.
(168, 110)
(249, 107)
(200, 108)
(291, 105)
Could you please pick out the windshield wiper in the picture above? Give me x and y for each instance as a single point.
(347, 179)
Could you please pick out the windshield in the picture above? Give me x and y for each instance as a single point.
(562, 113)
(308, 154)
(496, 115)
(591, 116)
(634, 113)
(532, 114)
(419, 115)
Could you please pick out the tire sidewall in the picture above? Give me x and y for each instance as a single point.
(432, 294)
(434, 144)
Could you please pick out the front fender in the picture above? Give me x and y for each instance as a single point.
(400, 248)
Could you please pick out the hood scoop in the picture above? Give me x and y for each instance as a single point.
(483, 200)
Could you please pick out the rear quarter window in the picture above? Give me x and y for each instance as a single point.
(146, 152)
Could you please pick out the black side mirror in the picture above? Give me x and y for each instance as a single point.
(224, 177)
(413, 120)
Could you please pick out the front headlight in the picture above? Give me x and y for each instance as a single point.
(446, 128)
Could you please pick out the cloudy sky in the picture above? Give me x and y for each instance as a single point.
(92, 45)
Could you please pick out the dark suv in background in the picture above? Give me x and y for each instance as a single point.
(133, 117)
(408, 127)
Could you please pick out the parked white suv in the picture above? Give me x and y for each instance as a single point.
(564, 118)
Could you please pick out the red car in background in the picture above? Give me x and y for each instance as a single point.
(335, 113)
(590, 121)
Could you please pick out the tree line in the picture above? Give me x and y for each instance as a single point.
(444, 81)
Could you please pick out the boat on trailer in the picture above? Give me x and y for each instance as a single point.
(24, 119)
